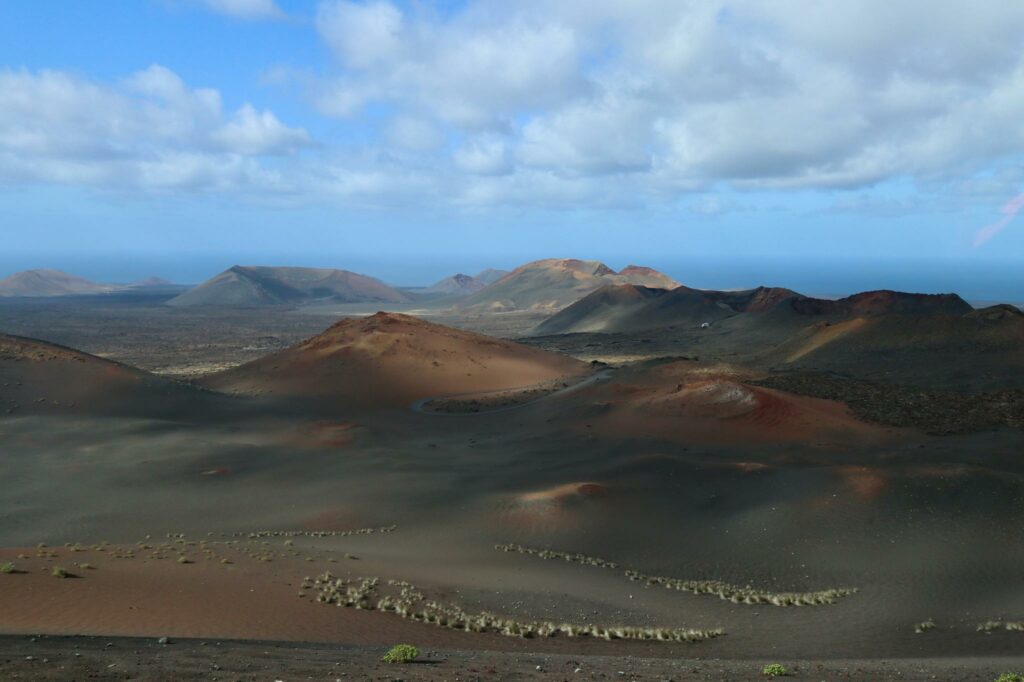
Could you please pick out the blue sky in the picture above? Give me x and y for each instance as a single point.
(832, 146)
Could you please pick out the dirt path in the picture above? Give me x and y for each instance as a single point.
(420, 405)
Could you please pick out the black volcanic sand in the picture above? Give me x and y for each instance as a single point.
(925, 528)
(106, 658)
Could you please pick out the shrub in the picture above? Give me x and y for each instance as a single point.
(774, 670)
(7, 568)
(925, 626)
(401, 653)
(1010, 677)
(59, 572)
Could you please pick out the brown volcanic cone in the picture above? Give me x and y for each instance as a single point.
(553, 283)
(390, 359)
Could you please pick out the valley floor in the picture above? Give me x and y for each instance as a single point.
(119, 658)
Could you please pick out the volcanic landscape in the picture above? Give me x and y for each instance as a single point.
(563, 466)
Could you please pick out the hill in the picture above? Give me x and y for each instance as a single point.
(552, 284)
(256, 285)
(627, 308)
(458, 284)
(40, 377)
(389, 359)
(45, 282)
(690, 402)
(490, 275)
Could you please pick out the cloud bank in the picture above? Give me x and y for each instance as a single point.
(562, 103)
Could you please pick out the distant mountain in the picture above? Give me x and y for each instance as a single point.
(41, 283)
(256, 285)
(390, 359)
(552, 284)
(884, 302)
(459, 285)
(151, 282)
(628, 308)
(490, 275)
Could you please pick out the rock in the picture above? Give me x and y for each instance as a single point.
(163, 640)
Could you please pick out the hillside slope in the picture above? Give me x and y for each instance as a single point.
(257, 285)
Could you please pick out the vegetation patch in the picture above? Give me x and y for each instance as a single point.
(405, 600)
(552, 554)
(723, 590)
(401, 653)
(990, 625)
(924, 626)
(774, 670)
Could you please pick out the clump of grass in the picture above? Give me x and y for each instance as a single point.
(774, 670)
(86, 566)
(59, 572)
(1010, 677)
(184, 560)
(401, 653)
(925, 626)
(8, 568)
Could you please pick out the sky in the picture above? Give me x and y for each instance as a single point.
(829, 145)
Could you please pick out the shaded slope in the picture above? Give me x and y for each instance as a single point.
(50, 283)
(391, 359)
(629, 308)
(981, 350)
(255, 285)
(552, 284)
(37, 377)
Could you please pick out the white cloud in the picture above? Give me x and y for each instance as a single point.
(246, 9)
(686, 94)
(414, 134)
(151, 131)
(484, 154)
(253, 132)
(361, 35)
(562, 103)
(473, 72)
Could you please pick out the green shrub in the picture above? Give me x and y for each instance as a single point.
(774, 670)
(59, 572)
(1010, 677)
(7, 568)
(401, 653)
